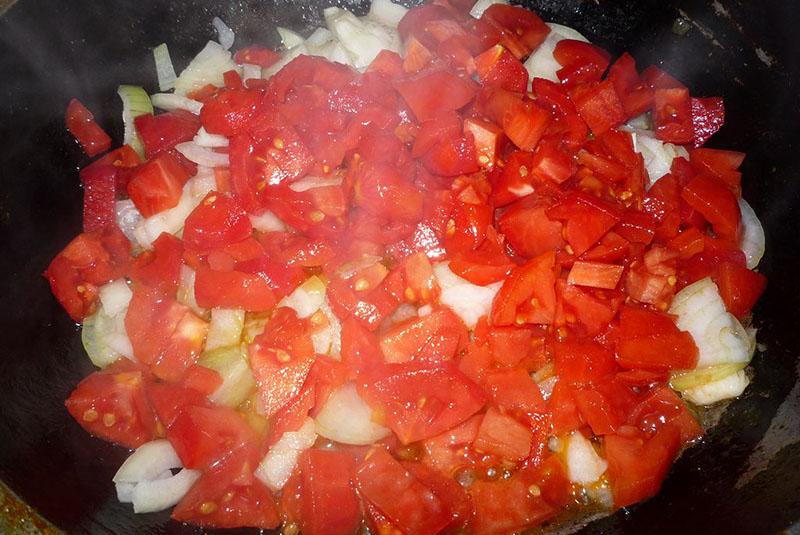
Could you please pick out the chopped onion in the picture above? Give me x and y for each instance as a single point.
(386, 12)
(250, 72)
(719, 336)
(657, 155)
(289, 39)
(482, 5)
(125, 492)
(335, 52)
(161, 494)
(135, 102)
(115, 297)
(225, 328)
(546, 386)
(170, 102)
(328, 341)
(164, 69)
(542, 64)
(237, 379)
(267, 221)
(726, 388)
(319, 37)
(363, 38)
(127, 216)
(306, 298)
(584, 465)
(207, 67)
(311, 182)
(687, 380)
(753, 241)
(147, 462)
(104, 337)
(279, 462)
(186, 290)
(202, 155)
(346, 418)
(469, 301)
(204, 139)
(224, 34)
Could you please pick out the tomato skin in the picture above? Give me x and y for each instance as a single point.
(521, 30)
(599, 106)
(256, 55)
(158, 184)
(739, 287)
(88, 261)
(81, 124)
(384, 483)
(637, 465)
(217, 221)
(525, 123)
(498, 67)
(229, 112)
(452, 156)
(660, 407)
(672, 115)
(528, 295)
(449, 398)
(99, 196)
(111, 405)
(160, 133)
(717, 204)
(708, 116)
(329, 503)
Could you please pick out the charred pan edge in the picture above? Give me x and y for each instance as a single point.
(15, 515)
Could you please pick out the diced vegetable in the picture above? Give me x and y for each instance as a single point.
(225, 328)
(164, 69)
(584, 465)
(237, 379)
(135, 102)
(207, 67)
(469, 301)
(752, 240)
(346, 418)
(728, 387)
(277, 465)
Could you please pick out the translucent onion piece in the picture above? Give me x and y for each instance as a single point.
(289, 38)
(362, 38)
(584, 465)
(728, 387)
(286, 57)
(319, 37)
(386, 12)
(147, 462)
(225, 328)
(542, 64)
(311, 182)
(186, 294)
(306, 298)
(161, 494)
(224, 34)
(347, 419)
(468, 301)
(115, 297)
(164, 68)
(207, 67)
(267, 221)
(657, 155)
(279, 462)
(202, 155)
(752, 241)
(719, 336)
(681, 381)
(237, 380)
(135, 102)
(170, 102)
(127, 216)
(204, 139)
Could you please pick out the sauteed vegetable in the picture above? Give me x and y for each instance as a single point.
(429, 270)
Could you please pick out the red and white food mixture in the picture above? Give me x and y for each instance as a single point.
(425, 270)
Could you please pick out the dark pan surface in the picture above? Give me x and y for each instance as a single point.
(747, 52)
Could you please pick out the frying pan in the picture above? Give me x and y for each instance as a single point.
(743, 478)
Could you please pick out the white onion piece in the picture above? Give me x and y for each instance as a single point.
(125, 492)
(335, 52)
(267, 221)
(171, 102)
(482, 5)
(225, 35)
(542, 64)
(469, 301)
(115, 297)
(289, 38)
(346, 418)
(328, 341)
(362, 38)
(656, 154)
(161, 494)
(118, 340)
(386, 12)
(207, 67)
(127, 216)
(202, 155)
(279, 462)
(148, 461)
(225, 328)
(306, 298)
(584, 465)
(204, 139)
(186, 294)
(286, 57)
(164, 68)
(719, 336)
(311, 182)
(172, 219)
(104, 337)
(726, 388)
(250, 72)
(752, 242)
(319, 37)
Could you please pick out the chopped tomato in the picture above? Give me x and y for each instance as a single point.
(521, 30)
(502, 435)
(230, 111)
(651, 340)
(498, 67)
(81, 124)
(217, 221)
(329, 502)
(256, 55)
(739, 287)
(599, 106)
(435, 337)
(99, 196)
(233, 289)
(111, 405)
(528, 295)
(717, 204)
(595, 274)
(160, 133)
(158, 184)
(436, 91)
(507, 505)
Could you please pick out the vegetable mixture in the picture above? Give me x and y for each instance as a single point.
(429, 270)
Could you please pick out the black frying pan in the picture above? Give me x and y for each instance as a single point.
(743, 478)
